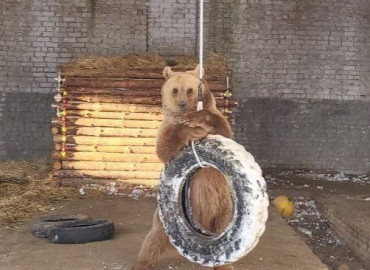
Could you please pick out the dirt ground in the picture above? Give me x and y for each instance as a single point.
(310, 224)
(304, 242)
(280, 247)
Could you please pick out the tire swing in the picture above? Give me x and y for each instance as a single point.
(248, 191)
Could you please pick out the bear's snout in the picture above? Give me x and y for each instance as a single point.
(183, 106)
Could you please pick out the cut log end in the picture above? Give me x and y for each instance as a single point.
(55, 130)
(57, 165)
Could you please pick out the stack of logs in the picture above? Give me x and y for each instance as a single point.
(106, 130)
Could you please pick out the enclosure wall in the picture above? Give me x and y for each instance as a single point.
(301, 68)
(302, 76)
(37, 36)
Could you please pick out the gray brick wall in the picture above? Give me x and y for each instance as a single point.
(172, 28)
(25, 125)
(37, 36)
(302, 74)
(301, 68)
(317, 49)
(306, 133)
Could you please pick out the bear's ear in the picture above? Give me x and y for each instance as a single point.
(195, 72)
(168, 73)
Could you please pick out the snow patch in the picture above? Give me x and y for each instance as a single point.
(81, 191)
(339, 177)
(310, 222)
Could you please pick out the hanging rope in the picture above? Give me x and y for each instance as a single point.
(200, 85)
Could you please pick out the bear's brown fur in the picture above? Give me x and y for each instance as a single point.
(182, 123)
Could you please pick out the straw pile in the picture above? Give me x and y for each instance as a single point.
(213, 64)
(26, 189)
(150, 60)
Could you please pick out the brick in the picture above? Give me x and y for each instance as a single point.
(322, 62)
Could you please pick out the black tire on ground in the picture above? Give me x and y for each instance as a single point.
(248, 191)
(83, 232)
(41, 226)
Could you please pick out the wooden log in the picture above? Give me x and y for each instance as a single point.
(78, 182)
(69, 73)
(116, 115)
(112, 132)
(57, 165)
(116, 83)
(108, 157)
(111, 166)
(90, 122)
(113, 107)
(131, 83)
(217, 85)
(114, 91)
(125, 92)
(155, 73)
(57, 147)
(107, 149)
(153, 101)
(90, 140)
(116, 99)
(55, 130)
(107, 174)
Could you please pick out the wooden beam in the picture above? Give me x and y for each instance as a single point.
(107, 157)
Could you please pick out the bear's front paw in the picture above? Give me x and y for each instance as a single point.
(195, 134)
(200, 119)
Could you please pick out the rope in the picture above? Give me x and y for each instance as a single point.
(196, 155)
(200, 86)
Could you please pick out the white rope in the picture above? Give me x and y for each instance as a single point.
(200, 92)
(201, 19)
(201, 14)
(196, 155)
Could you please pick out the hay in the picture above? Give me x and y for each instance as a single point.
(213, 63)
(134, 61)
(26, 189)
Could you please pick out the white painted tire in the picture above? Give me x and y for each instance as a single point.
(248, 191)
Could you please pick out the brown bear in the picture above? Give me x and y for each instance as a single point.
(182, 123)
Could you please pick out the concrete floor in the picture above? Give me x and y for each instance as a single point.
(280, 247)
(350, 217)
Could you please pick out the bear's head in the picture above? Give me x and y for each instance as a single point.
(180, 91)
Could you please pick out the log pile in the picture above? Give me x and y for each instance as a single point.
(106, 125)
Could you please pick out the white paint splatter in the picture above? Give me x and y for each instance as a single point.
(82, 191)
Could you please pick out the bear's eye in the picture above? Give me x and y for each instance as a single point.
(190, 90)
(175, 90)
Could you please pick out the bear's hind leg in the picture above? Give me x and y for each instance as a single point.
(220, 224)
(155, 244)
